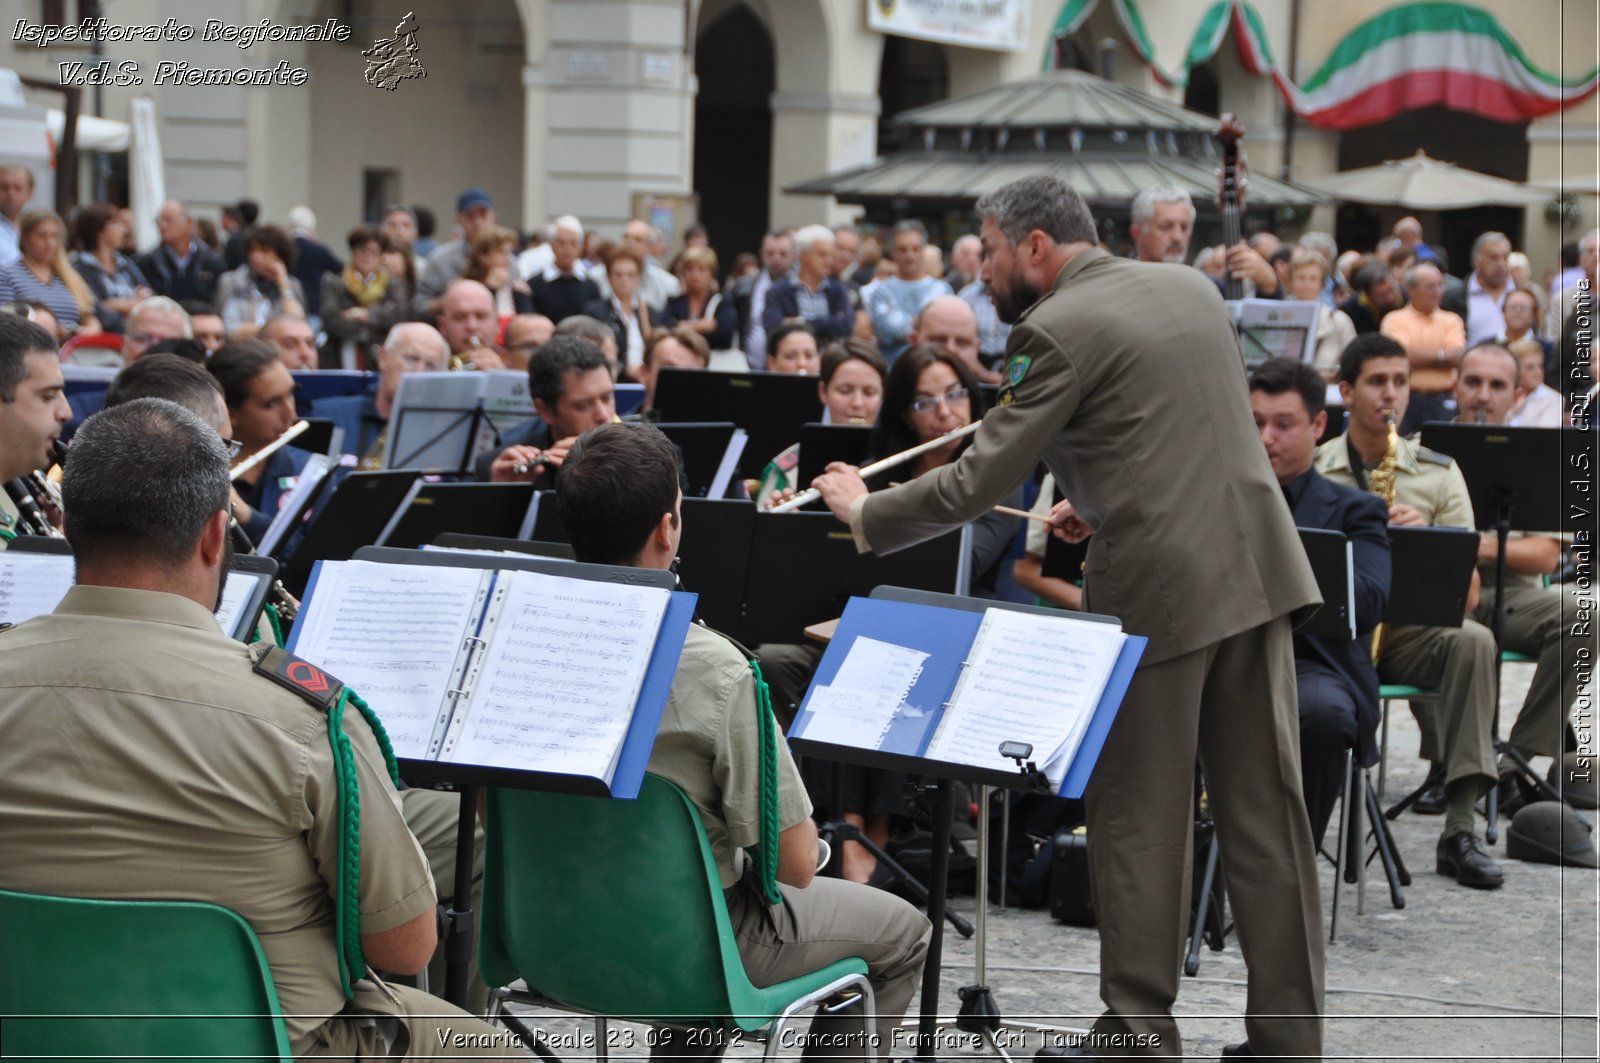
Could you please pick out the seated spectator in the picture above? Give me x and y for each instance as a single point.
(1434, 340)
(206, 327)
(489, 263)
(562, 288)
(181, 268)
(949, 322)
(655, 285)
(474, 213)
(1520, 315)
(1376, 293)
(313, 259)
(151, 321)
(701, 307)
(43, 274)
(360, 303)
(1308, 278)
(1541, 405)
(401, 265)
(631, 319)
(261, 288)
(112, 276)
(895, 303)
(993, 334)
(811, 295)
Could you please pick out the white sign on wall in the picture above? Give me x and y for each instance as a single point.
(1000, 25)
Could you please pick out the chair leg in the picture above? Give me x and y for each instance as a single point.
(1354, 786)
(869, 1017)
(601, 1036)
(1342, 848)
(1383, 754)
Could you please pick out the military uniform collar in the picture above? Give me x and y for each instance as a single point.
(122, 603)
(1076, 265)
(1339, 449)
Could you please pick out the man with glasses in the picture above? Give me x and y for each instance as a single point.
(410, 347)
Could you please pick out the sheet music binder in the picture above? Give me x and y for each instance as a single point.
(944, 626)
(1333, 564)
(430, 765)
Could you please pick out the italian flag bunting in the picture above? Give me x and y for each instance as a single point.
(1408, 57)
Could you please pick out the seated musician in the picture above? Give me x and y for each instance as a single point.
(620, 503)
(1457, 730)
(409, 347)
(259, 393)
(145, 758)
(851, 389)
(1337, 683)
(33, 413)
(572, 392)
(1488, 386)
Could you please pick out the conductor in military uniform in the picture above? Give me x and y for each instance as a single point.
(1126, 379)
(145, 755)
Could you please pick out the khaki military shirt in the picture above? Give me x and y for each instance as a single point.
(1427, 481)
(140, 757)
(708, 744)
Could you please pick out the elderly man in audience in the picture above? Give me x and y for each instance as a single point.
(181, 268)
(1488, 285)
(525, 334)
(1434, 340)
(898, 300)
(290, 335)
(949, 322)
(562, 286)
(811, 296)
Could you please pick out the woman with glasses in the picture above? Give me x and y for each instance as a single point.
(118, 285)
(43, 274)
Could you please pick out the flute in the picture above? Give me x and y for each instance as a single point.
(267, 451)
(811, 494)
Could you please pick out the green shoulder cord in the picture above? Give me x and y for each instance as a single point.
(269, 611)
(330, 695)
(765, 853)
(8, 535)
(347, 914)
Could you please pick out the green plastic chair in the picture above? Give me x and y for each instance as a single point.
(1388, 692)
(614, 908)
(92, 979)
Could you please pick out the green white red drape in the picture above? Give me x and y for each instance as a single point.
(1410, 56)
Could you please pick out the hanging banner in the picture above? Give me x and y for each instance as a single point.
(998, 25)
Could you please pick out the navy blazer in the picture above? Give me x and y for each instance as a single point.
(784, 302)
(1364, 520)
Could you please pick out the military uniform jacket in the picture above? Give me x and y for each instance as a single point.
(1429, 482)
(141, 757)
(1126, 379)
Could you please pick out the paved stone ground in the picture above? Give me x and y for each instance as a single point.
(1459, 974)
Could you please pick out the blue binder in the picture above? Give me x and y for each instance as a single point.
(659, 673)
(945, 635)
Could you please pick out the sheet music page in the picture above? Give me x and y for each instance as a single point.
(880, 668)
(1029, 678)
(393, 633)
(561, 676)
(235, 593)
(858, 718)
(32, 584)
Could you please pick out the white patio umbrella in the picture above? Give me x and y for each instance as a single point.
(1424, 183)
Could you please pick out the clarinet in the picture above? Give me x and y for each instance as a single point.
(31, 519)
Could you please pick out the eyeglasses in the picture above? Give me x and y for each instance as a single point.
(234, 446)
(930, 402)
(141, 339)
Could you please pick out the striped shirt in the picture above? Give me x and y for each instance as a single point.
(18, 284)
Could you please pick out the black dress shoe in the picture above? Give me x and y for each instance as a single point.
(1431, 802)
(1049, 1052)
(1240, 1049)
(1513, 794)
(1461, 857)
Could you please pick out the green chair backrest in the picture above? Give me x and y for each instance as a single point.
(609, 906)
(134, 980)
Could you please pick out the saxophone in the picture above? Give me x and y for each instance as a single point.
(1382, 482)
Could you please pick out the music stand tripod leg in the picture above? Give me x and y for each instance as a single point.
(459, 916)
(980, 1012)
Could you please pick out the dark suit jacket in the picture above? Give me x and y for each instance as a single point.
(312, 259)
(783, 302)
(566, 296)
(1125, 379)
(196, 282)
(1361, 516)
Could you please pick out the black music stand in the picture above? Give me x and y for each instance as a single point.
(702, 445)
(804, 567)
(823, 444)
(1496, 461)
(475, 509)
(355, 515)
(770, 407)
(491, 544)
(714, 559)
(1431, 577)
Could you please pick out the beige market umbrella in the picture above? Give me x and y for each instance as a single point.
(1423, 183)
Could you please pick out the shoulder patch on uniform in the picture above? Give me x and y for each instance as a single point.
(1018, 369)
(298, 675)
(1433, 456)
